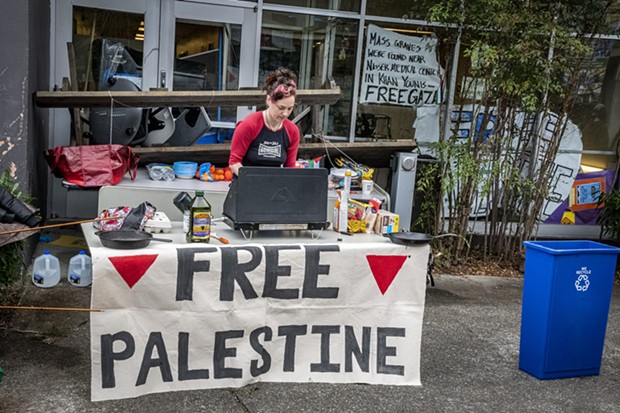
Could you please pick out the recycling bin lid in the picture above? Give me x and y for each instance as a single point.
(571, 247)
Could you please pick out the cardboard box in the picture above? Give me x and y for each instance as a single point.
(387, 222)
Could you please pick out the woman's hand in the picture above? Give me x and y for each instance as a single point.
(235, 168)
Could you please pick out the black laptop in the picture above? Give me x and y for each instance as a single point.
(267, 198)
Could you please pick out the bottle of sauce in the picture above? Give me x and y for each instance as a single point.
(199, 219)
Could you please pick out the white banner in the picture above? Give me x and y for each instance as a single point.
(197, 317)
(399, 69)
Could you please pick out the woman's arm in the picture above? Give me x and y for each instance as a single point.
(235, 168)
(293, 147)
(244, 134)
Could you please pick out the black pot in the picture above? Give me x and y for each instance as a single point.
(127, 239)
(414, 238)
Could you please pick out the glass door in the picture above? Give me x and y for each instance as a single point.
(106, 43)
(208, 47)
(93, 39)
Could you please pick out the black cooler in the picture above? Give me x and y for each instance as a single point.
(264, 198)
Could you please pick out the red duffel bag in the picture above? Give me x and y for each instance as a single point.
(93, 165)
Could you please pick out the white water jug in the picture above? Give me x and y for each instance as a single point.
(46, 270)
(80, 272)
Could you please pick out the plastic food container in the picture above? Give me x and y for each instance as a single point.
(185, 170)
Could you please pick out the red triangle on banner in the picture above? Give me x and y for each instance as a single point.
(132, 267)
(384, 268)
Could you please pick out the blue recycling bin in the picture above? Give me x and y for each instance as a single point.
(566, 295)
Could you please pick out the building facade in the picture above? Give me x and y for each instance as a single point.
(230, 45)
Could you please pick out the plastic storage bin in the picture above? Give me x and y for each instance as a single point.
(566, 296)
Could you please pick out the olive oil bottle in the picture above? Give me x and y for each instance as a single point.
(199, 219)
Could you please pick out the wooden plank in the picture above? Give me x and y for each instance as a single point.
(158, 98)
(374, 154)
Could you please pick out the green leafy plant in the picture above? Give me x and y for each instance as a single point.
(427, 190)
(11, 262)
(528, 60)
(12, 186)
(12, 265)
(609, 216)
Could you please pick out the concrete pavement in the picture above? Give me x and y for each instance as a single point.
(470, 351)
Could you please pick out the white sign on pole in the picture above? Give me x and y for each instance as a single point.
(198, 317)
(399, 69)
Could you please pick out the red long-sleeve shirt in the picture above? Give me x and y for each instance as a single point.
(254, 144)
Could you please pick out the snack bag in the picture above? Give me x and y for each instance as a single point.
(356, 222)
(210, 173)
(204, 172)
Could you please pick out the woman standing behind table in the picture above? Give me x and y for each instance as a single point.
(268, 137)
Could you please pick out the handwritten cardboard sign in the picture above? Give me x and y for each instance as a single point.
(197, 317)
(400, 70)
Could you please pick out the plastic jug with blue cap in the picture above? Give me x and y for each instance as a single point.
(80, 273)
(46, 270)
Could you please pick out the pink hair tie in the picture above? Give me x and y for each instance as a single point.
(285, 89)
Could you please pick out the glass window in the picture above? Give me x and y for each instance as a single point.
(393, 121)
(107, 43)
(613, 17)
(399, 8)
(317, 48)
(597, 106)
(207, 58)
(340, 5)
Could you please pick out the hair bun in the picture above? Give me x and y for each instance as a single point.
(280, 83)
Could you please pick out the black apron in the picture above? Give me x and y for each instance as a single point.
(268, 149)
